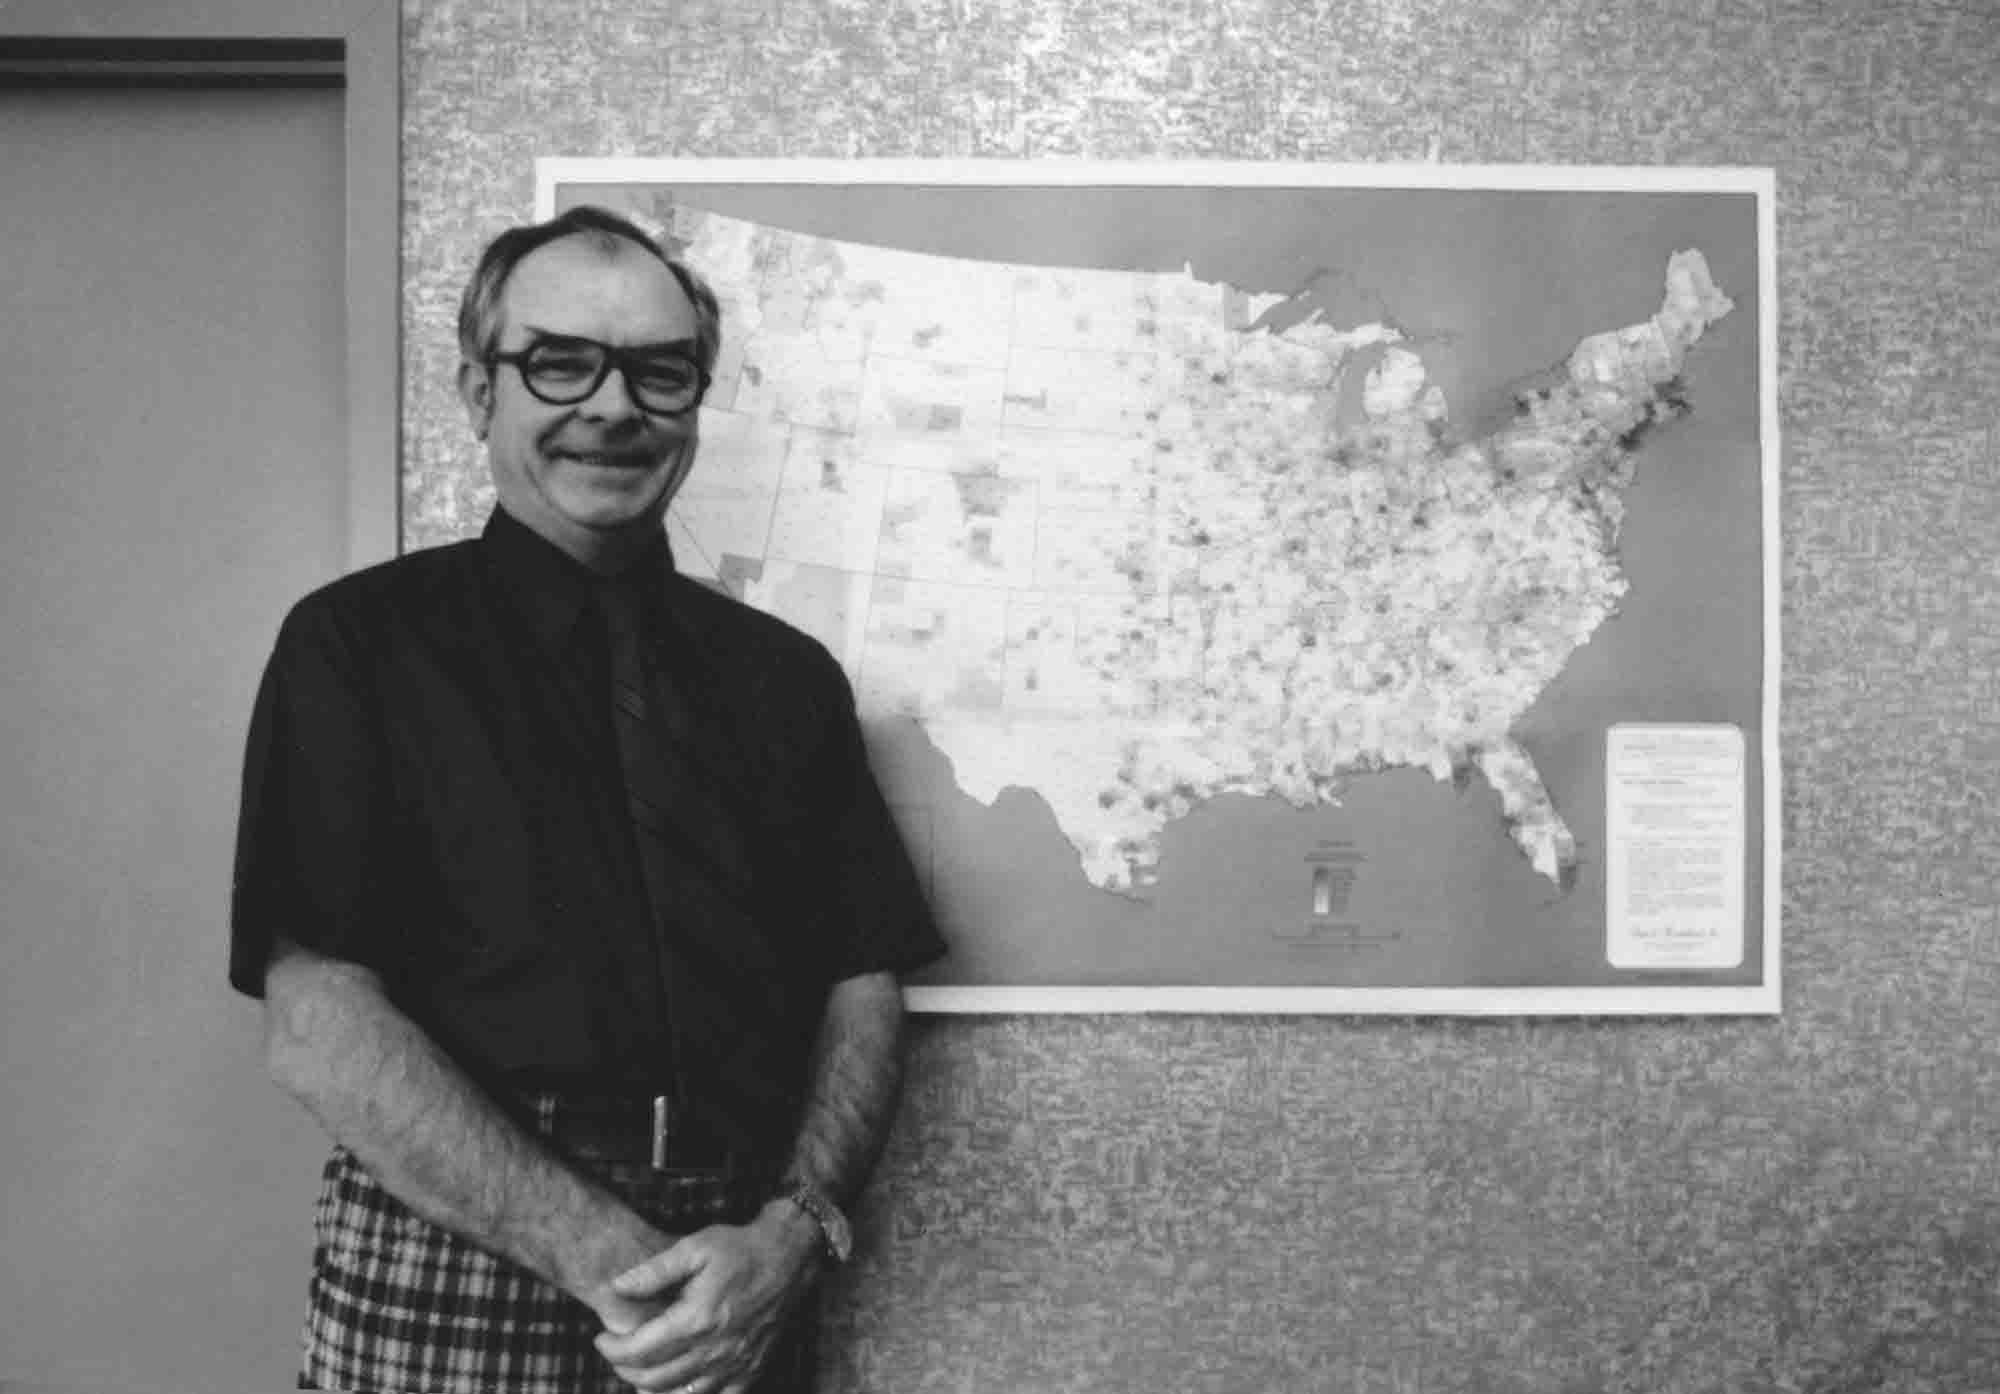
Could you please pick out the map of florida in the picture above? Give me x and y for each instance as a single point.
(1109, 539)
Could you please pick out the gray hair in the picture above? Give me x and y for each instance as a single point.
(479, 308)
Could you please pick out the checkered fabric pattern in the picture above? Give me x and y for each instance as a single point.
(399, 1304)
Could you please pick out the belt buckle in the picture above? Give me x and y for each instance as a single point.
(731, 1167)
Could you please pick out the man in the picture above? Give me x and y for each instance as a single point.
(576, 911)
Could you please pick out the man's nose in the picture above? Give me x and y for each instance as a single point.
(613, 398)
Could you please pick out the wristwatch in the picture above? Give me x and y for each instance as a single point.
(833, 1228)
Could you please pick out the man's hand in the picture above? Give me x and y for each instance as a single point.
(618, 1312)
(728, 1290)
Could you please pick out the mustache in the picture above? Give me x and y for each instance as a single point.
(621, 439)
(624, 450)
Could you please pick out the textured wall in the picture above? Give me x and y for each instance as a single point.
(1236, 1204)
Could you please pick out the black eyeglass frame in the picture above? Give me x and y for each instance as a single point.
(612, 357)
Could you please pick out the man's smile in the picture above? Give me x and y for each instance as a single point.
(606, 459)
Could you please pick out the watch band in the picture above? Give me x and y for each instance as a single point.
(835, 1234)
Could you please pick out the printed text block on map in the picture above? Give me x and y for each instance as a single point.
(1674, 838)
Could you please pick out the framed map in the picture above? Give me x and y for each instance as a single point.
(1266, 587)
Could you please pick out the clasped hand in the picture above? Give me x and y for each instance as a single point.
(719, 1299)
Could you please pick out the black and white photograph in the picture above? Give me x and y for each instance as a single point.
(999, 696)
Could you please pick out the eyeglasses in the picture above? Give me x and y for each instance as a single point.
(563, 371)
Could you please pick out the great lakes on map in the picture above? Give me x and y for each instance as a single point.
(1113, 538)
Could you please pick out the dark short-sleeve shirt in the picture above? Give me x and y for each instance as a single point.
(431, 790)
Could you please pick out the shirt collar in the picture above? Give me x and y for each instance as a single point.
(550, 586)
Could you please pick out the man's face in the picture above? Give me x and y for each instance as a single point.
(594, 477)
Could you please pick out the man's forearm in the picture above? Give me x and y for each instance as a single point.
(384, 1090)
(857, 1076)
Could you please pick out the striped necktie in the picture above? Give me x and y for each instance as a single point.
(720, 984)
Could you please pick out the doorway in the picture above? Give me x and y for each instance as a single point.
(173, 475)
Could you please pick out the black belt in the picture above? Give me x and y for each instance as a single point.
(634, 1130)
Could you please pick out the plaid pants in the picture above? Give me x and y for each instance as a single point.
(401, 1306)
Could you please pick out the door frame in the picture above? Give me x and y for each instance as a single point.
(355, 45)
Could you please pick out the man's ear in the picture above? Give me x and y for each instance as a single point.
(475, 389)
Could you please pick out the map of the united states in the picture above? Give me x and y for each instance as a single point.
(1110, 538)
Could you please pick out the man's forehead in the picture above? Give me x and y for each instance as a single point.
(586, 278)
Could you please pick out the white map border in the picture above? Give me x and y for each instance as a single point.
(1763, 998)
